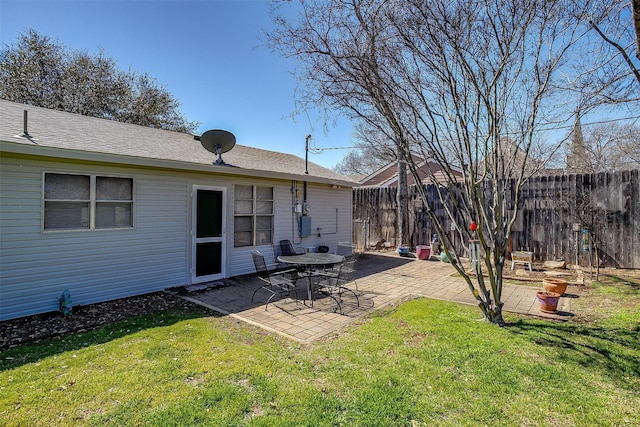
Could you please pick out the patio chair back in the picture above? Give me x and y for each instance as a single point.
(281, 283)
(347, 272)
(287, 249)
(345, 249)
(260, 265)
(335, 287)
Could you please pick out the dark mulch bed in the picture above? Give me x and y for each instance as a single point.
(84, 318)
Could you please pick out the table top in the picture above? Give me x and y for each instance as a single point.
(311, 258)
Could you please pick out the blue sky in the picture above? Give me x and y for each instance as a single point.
(209, 54)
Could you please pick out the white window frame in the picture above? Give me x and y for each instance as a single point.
(92, 202)
(254, 215)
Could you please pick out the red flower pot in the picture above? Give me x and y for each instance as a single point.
(423, 252)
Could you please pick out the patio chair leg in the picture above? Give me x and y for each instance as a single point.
(254, 293)
(283, 294)
(268, 301)
(354, 294)
(338, 308)
(356, 283)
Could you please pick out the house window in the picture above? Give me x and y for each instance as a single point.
(253, 215)
(87, 202)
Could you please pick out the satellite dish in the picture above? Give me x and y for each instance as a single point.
(218, 141)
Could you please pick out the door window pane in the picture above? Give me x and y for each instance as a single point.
(209, 213)
(208, 258)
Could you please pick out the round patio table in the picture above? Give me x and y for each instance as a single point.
(311, 261)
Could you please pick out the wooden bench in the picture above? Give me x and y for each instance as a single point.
(522, 257)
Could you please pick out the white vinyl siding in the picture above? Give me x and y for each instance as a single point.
(36, 266)
(331, 210)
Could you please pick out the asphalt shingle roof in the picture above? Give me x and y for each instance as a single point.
(129, 143)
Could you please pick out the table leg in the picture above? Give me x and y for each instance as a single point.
(310, 285)
(309, 290)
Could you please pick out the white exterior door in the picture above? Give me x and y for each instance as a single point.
(209, 229)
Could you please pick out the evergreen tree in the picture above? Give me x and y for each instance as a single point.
(41, 72)
(577, 158)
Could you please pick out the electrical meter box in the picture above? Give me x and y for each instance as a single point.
(305, 226)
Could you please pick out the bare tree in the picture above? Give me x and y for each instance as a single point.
(628, 143)
(373, 151)
(358, 163)
(455, 81)
(613, 147)
(635, 4)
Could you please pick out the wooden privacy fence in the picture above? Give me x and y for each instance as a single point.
(560, 217)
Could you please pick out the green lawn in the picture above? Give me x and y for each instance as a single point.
(424, 363)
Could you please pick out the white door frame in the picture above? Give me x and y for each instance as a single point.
(195, 240)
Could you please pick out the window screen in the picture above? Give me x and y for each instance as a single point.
(76, 202)
(253, 219)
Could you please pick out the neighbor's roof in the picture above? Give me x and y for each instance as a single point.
(72, 136)
(387, 176)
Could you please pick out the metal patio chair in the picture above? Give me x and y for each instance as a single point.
(276, 283)
(346, 249)
(287, 249)
(334, 286)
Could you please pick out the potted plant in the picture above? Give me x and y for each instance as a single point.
(552, 284)
(548, 301)
(445, 258)
(403, 250)
(423, 252)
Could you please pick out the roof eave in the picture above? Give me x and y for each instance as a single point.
(87, 156)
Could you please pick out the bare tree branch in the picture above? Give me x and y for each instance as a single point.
(620, 49)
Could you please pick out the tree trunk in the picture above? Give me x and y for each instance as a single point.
(402, 234)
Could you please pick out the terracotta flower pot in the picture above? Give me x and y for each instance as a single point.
(551, 284)
(548, 301)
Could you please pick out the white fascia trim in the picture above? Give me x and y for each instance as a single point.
(87, 156)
